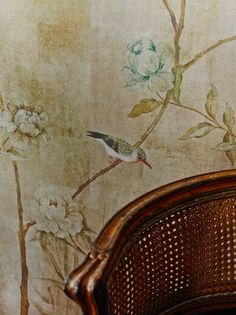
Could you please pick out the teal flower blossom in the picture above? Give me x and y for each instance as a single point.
(147, 63)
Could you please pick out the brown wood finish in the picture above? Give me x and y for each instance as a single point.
(91, 284)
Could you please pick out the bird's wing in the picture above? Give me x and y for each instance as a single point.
(112, 143)
(118, 145)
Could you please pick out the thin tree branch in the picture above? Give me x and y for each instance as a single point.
(172, 15)
(178, 28)
(182, 17)
(215, 122)
(137, 144)
(93, 178)
(154, 123)
(207, 50)
(28, 225)
(24, 308)
(179, 31)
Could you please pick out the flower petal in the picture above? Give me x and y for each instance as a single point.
(165, 54)
(61, 234)
(54, 213)
(131, 78)
(20, 116)
(147, 63)
(34, 132)
(47, 226)
(76, 224)
(161, 82)
(140, 45)
(65, 224)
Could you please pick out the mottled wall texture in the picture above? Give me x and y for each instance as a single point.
(107, 66)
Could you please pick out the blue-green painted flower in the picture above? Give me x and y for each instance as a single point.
(147, 63)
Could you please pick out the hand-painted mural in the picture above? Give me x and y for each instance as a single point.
(156, 90)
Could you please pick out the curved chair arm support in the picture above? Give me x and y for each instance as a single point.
(87, 284)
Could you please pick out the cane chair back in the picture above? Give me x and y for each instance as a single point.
(172, 251)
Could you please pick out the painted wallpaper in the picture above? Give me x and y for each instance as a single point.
(101, 101)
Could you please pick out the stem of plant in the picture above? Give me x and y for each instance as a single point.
(24, 308)
(178, 28)
(178, 32)
(4, 142)
(208, 50)
(215, 122)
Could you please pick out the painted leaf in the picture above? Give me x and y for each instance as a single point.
(229, 147)
(228, 117)
(146, 105)
(211, 105)
(226, 146)
(15, 154)
(176, 91)
(198, 131)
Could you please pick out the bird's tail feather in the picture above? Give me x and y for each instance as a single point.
(96, 135)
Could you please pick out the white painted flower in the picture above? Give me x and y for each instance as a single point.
(55, 212)
(23, 124)
(147, 63)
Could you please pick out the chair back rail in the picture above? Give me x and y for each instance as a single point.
(170, 251)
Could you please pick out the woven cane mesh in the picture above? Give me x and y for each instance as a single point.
(188, 254)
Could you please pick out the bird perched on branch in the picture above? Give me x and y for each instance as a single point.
(119, 149)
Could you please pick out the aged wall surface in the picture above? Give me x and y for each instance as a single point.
(72, 66)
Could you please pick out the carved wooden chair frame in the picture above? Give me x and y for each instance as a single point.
(87, 285)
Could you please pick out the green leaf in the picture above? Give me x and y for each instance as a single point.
(228, 146)
(211, 105)
(15, 153)
(145, 105)
(228, 117)
(198, 131)
(176, 91)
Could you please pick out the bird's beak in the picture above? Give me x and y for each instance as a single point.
(146, 163)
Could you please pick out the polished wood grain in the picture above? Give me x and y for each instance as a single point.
(88, 285)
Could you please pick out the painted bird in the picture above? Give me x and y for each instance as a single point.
(119, 149)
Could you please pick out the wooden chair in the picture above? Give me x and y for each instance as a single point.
(172, 251)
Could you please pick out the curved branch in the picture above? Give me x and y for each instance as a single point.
(178, 27)
(178, 31)
(93, 178)
(205, 116)
(172, 15)
(207, 50)
(137, 144)
(24, 308)
(182, 17)
(155, 122)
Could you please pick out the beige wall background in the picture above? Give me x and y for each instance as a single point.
(66, 56)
